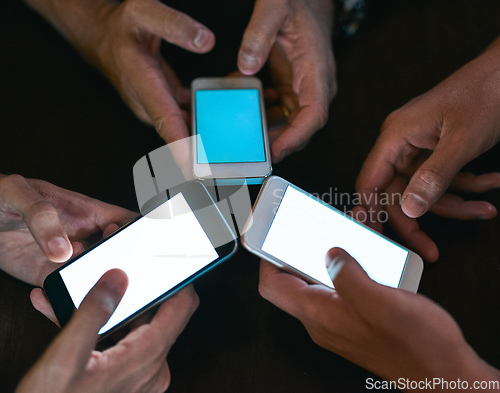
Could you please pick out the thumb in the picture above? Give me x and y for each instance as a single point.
(260, 35)
(433, 178)
(350, 280)
(40, 216)
(72, 348)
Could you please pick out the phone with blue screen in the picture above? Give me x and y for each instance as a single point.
(229, 123)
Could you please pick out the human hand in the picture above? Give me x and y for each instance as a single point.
(137, 363)
(130, 56)
(41, 224)
(296, 37)
(390, 332)
(428, 141)
(123, 40)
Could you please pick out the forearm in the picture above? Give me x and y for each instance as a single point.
(78, 21)
(461, 367)
(478, 373)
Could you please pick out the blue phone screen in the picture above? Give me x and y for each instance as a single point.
(229, 126)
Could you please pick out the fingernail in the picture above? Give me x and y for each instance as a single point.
(247, 62)
(413, 205)
(489, 212)
(334, 265)
(58, 247)
(201, 38)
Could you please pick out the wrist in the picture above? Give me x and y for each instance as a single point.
(468, 367)
(476, 370)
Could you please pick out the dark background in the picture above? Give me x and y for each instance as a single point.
(61, 121)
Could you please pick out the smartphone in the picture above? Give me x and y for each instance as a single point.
(161, 252)
(294, 230)
(229, 122)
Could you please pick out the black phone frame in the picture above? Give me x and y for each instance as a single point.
(205, 210)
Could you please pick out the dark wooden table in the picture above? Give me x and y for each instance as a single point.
(62, 122)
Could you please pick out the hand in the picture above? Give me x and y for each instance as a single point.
(41, 224)
(123, 40)
(428, 141)
(390, 332)
(137, 363)
(296, 37)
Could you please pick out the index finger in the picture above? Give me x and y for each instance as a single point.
(150, 83)
(173, 26)
(72, 348)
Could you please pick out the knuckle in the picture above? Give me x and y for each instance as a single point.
(53, 372)
(177, 19)
(39, 208)
(319, 117)
(160, 125)
(391, 120)
(131, 10)
(321, 337)
(255, 41)
(431, 179)
(187, 299)
(165, 124)
(47, 191)
(11, 181)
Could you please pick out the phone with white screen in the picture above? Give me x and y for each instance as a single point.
(229, 122)
(161, 252)
(294, 230)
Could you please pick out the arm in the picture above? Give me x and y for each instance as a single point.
(390, 332)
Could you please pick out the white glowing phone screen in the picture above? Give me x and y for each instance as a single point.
(304, 229)
(156, 254)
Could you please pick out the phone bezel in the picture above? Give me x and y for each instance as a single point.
(196, 195)
(236, 170)
(257, 228)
